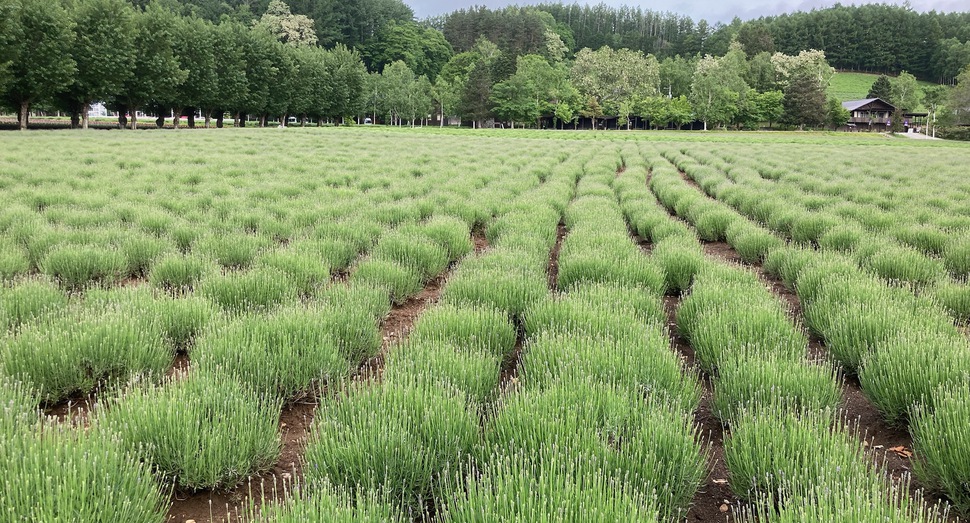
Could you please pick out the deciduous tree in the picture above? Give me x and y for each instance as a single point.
(104, 51)
(285, 26)
(42, 64)
(905, 92)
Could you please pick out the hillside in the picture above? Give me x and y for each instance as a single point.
(855, 86)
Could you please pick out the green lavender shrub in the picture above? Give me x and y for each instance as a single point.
(179, 273)
(941, 443)
(769, 448)
(77, 266)
(27, 301)
(287, 354)
(78, 352)
(307, 273)
(558, 489)
(205, 431)
(747, 381)
(477, 328)
(468, 369)
(390, 436)
(905, 369)
(96, 479)
(399, 281)
(251, 291)
(324, 502)
(660, 449)
(680, 260)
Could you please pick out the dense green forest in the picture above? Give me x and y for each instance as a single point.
(542, 65)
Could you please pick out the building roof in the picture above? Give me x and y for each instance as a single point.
(852, 105)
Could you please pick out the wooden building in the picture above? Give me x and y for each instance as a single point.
(871, 114)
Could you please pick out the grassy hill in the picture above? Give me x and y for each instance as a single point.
(855, 86)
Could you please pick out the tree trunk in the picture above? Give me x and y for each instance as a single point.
(176, 118)
(85, 116)
(134, 119)
(192, 119)
(705, 125)
(122, 120)
(208, 118)
(160, 121)
(24, 113)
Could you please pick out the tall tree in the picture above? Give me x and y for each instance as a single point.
(348, 76)
(423, 49)
(229, 40)
(676, 75)
(480, 77)
(531, 92)
(882, 88)
(104, 52)
(804, 102)
(959, 101)
(155, 75)
(287, 27)
(718, 87)
(616, 80)
(906, 94)
(194, 46)
(10, 35)
(836, 115)
(933, 98)
(43, 65)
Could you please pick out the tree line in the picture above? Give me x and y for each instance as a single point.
(154, 60)
(515, 65)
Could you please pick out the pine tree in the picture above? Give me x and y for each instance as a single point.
(882, 88)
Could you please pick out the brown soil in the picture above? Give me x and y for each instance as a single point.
(180, 367)
(74, 410)
(480, 241)
(509, 374)
(554, 257)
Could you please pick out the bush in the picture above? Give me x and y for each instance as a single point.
(251, 291)
(203, 431)
(76, 267)
(307, 273)
(904, 370)
(400, 282)
(285, 355)
(773, 448)
(389, 436)
(27, 301)
(753, 382)
(680, 262)
(584, 420)
(315, 503)
(63, 473)
(941, 443)
(79, 352)
(178, 273)
(476, 328)
(433, 363)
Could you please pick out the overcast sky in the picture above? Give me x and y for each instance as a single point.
(711, 10)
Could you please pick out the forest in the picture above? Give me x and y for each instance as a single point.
(544, 65)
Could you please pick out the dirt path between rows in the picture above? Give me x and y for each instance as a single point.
(296, 420)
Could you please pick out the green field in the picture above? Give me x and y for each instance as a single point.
(855, 86)
(374, 324)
